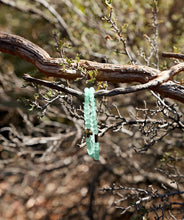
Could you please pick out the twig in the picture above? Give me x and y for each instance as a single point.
(156, 33)
(120, 35)
(52, 85)
(173, 55)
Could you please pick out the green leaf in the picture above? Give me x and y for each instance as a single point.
(175, 49)
(108, 3)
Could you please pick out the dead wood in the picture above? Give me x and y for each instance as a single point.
(150, 78)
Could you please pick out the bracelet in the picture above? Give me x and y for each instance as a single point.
(90, 119)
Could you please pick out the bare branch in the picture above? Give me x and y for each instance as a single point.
(120, 35)
(52, 85)
(59, 67)
(169, 89)
(173, 55)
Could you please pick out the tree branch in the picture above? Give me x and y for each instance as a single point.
(59, 67)
(52, 85)
(169, 89)
(173, 55)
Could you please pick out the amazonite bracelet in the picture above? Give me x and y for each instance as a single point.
(91, 125)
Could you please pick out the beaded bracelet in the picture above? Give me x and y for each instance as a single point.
(90, 119)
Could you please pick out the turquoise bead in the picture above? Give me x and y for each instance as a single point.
(90, 118)
(96, 151)
(88, 121)
(87, 126)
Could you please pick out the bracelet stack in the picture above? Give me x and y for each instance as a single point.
(91, 127)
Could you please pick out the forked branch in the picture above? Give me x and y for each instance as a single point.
(150, 78)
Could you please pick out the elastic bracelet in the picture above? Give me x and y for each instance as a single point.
(91, 125)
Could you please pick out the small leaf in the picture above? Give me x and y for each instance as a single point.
(108, 3)
(124, 28)
(78, 58)
(175, 49)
